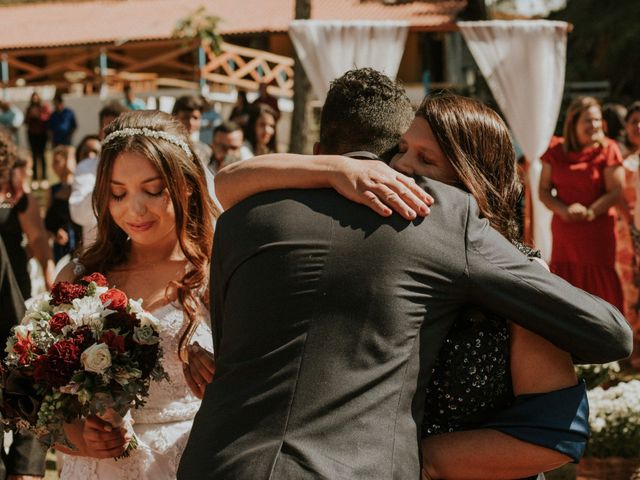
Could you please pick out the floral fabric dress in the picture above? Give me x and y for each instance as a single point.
(163, 425)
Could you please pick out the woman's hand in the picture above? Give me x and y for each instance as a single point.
(102, 440)
(576, 212)
(200, 370)
(94, 437)
(369, 182)
(381, 188)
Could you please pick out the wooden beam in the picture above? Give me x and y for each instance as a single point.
(160, 58)
(22, 65)
(120, 58)
(59, 66)
(247, 84)
(181, 66)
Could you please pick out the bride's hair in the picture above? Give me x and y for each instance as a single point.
(172, 155)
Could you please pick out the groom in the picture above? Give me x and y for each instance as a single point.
(328, 317)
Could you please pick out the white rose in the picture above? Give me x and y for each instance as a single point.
(96, 358)
(145, 335)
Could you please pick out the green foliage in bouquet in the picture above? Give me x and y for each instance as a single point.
(614, 419)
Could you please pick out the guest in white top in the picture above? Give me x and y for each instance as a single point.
(84, 180)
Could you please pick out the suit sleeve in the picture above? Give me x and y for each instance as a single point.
(501, 278)
(26, 455)
(216, 290)
(10, 297)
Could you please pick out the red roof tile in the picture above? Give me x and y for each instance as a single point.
(107, 21)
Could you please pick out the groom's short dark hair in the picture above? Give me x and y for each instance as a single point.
(364, 110)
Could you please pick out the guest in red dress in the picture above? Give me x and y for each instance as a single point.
(585, 170)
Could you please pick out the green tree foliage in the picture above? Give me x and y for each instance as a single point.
(604, 44)
(199, 24)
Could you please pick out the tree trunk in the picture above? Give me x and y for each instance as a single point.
(301, 91)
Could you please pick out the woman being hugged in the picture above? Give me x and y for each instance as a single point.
(155, 231)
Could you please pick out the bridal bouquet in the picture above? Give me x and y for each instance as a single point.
(84, 349)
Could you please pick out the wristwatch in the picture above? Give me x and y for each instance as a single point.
(590, 215)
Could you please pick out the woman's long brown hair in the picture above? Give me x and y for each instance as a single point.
(184, 178)
(476, 141)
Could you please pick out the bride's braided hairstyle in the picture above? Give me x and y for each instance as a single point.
(165, 143)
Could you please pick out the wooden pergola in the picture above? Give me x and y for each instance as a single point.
(152, 61)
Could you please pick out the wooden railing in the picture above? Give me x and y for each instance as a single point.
(247, 68)
(242, 67)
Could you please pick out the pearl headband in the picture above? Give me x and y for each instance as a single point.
(147, 132)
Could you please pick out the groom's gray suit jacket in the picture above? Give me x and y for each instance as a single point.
(328, 318)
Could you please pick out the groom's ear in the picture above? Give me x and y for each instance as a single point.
(317, 148)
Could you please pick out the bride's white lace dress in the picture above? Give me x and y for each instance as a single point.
(162, 426)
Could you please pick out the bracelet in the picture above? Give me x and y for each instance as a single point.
(590, 215)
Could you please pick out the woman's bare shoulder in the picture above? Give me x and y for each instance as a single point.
(69, 273)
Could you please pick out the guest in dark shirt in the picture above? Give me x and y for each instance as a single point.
(62, 123)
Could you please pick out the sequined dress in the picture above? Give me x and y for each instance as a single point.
(163, 425)
(471, 378)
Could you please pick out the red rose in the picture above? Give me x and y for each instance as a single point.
(117, 298)
(113, 340)
(59, 321)
(23, 347)
(59, 364)
(65, 292)
(97, 278)
(124, 323)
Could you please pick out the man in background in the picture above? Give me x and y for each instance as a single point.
(228, 146)
(62, 123)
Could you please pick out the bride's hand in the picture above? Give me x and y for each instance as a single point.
(102, 440)
(378, 186)
(200, 370)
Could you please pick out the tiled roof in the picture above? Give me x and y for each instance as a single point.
(107, 21)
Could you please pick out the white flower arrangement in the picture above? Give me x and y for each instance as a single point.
(614, 419)
(597, 373)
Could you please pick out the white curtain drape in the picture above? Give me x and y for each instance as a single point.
(327, 49)
(524, 62)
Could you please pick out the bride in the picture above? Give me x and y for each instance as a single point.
(155, 232)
